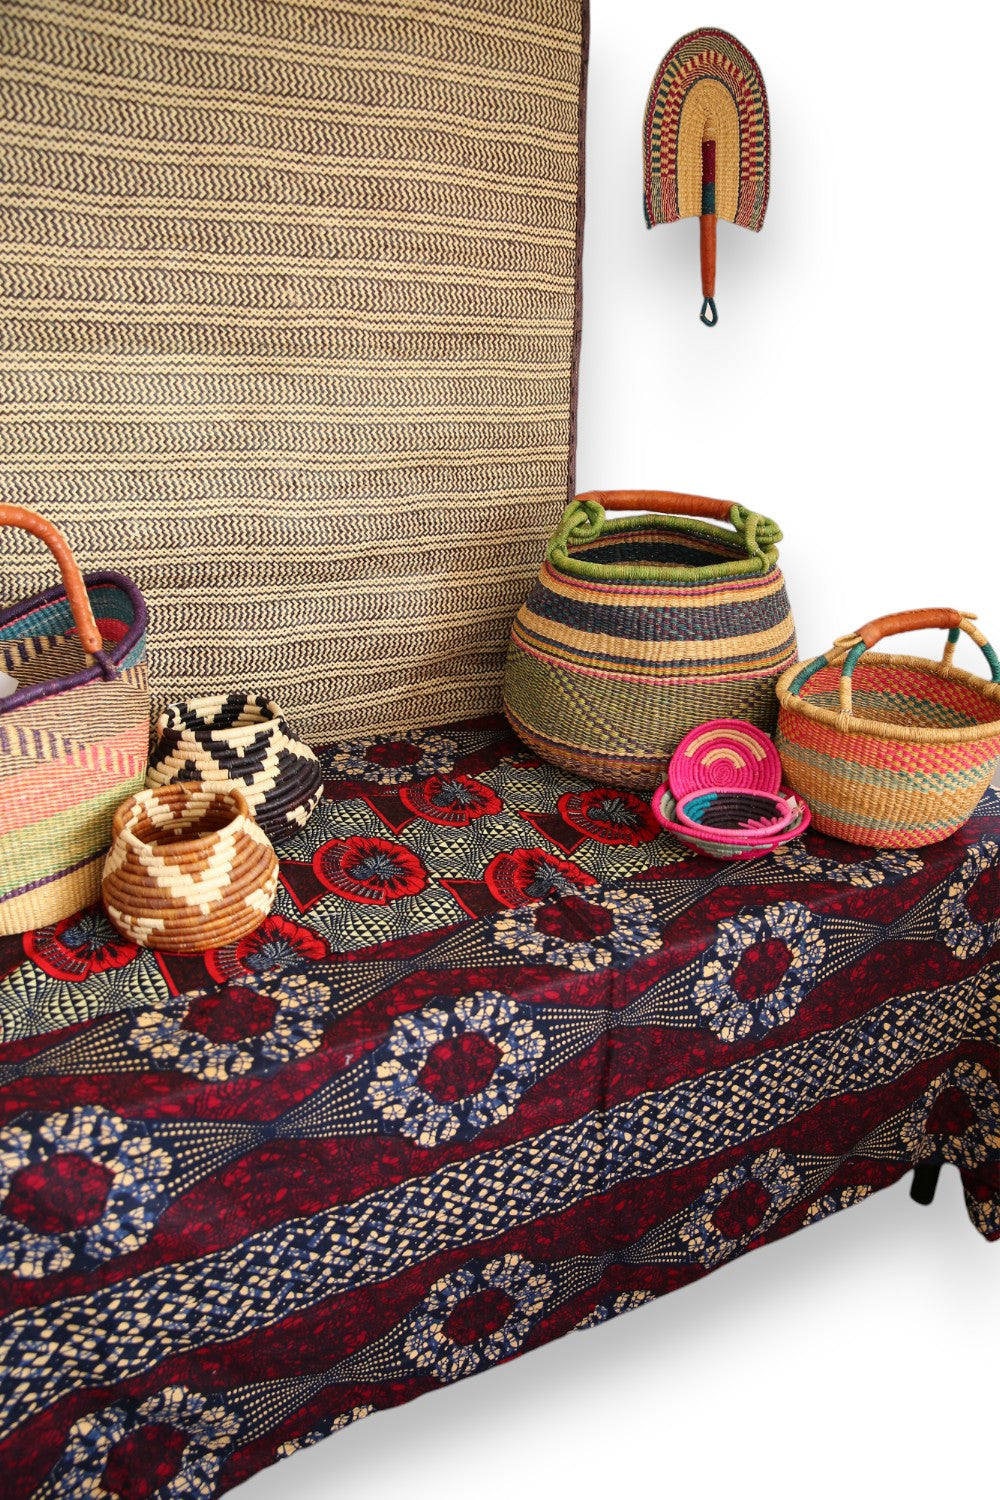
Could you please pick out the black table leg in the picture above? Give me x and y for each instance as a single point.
(925, 1180)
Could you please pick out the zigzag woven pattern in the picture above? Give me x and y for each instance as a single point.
(289, 307)
(189, 868)
(243, 738)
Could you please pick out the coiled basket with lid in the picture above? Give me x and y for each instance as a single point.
(641, 628)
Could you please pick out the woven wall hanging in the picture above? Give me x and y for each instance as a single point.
(706, 143)
(289, 330)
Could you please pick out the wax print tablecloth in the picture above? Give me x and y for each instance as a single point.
(499, 1066)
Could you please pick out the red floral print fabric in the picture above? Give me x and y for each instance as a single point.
(501, 1064)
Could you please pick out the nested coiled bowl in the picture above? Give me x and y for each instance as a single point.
(728, 838)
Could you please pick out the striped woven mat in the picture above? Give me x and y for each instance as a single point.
(288, 330)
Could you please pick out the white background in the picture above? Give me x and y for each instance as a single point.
(849, 392)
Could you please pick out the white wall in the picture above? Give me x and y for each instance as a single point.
(849, 390)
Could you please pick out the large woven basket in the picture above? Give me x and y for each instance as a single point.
(639, 629)
(74, 736)
(891, 751)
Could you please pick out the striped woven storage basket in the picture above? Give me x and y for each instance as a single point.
(639, 629)
(891, 751)
(74, 736)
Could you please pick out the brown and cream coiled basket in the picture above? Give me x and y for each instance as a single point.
(189, 869)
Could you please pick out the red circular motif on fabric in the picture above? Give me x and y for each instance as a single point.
(452, 801)
(742, 1210)
(231, 1015)
(399, 753)
(78, 947)
(143, 1462)
(574, 920)
(373, 871)
(65, 1193)
(610, 816)
(478, 1316)
(458, 1067)
(276, 944)
(761, 969)
(521, 875)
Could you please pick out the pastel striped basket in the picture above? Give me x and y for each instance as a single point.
(74, 735)
(891, 751)
(640, 629)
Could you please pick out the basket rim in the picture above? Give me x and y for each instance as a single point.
(218, 788)
(745, 564)
(778, 819)
(664, 806)
(901, 733)
(26, 697)
(170, 719)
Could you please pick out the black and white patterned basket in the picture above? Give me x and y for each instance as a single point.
(242, 737)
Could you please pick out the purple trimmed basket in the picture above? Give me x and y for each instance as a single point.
(74, 734)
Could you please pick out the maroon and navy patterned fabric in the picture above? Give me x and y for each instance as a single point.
(498, 1067)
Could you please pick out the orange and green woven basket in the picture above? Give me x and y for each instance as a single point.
(891, 751)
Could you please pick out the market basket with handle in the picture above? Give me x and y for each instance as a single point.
(891, 751)
(638, 629)
(74, 731)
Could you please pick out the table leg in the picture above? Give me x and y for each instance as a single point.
(925, 1179)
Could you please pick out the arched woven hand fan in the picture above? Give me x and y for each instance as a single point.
(707, 143)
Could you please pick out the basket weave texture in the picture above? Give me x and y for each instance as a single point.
(244, 738)
(74, 736)
(189, 869)
(296, 282)
(726, 843)
(640, 629)
(890, 751)
(725, 753)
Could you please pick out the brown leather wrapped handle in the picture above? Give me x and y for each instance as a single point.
(666, 502)
(910, 619)
(76, 589)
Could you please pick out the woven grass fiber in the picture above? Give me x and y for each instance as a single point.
(288, 331)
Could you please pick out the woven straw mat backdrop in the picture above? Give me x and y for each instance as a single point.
(289, 330)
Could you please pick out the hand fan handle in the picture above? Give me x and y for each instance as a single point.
(709, 315)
